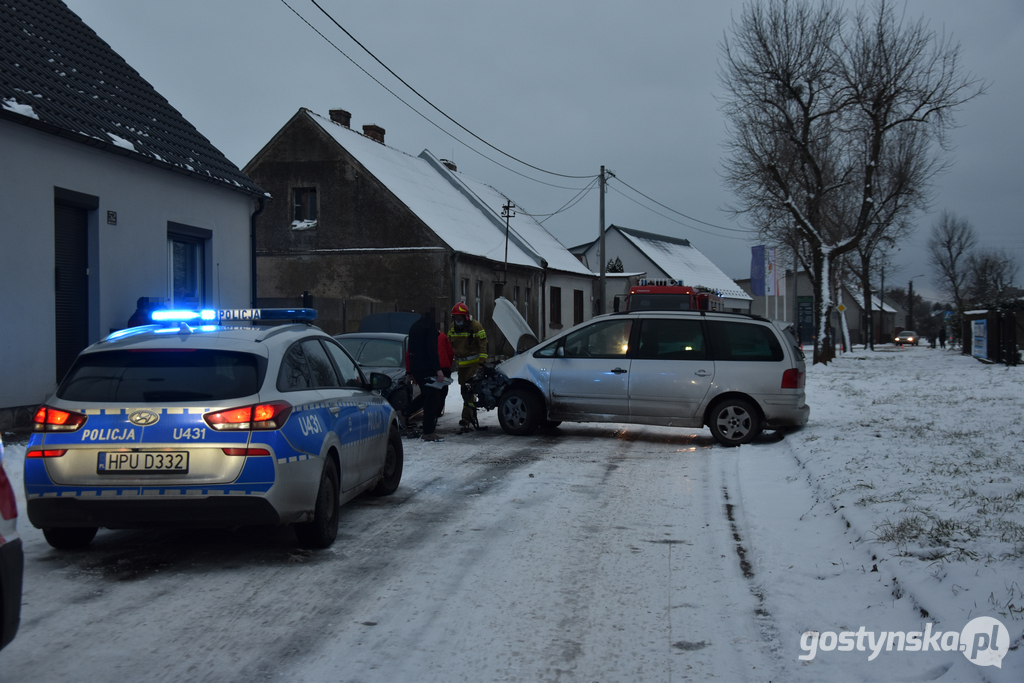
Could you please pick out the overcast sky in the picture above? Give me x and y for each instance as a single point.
(566, 86)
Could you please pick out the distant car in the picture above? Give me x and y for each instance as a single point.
(907, 337)
(12, 559)
(735, 373)
(222, 422)
(383, 352)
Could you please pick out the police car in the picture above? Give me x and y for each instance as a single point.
(213, 419)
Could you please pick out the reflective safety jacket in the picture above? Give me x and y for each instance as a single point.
(469, 343)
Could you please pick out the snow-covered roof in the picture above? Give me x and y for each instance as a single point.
(456, 220)
(858, 298)
(682, 261)
(58, 76)
(537, 241)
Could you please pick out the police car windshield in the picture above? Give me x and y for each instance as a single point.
(162, 375)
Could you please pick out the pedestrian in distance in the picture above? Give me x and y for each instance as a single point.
(425, 368)
(469, 342)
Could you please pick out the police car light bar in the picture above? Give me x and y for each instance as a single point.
(237, 314)
(178, 316)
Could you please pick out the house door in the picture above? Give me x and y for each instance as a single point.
(71, 284)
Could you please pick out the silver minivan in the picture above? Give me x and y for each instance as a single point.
(738, 374)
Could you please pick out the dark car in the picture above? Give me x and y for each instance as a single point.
(383, 352)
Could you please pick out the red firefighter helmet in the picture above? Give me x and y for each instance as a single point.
(460, 309)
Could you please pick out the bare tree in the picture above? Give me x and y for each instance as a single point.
(949, 248)
(832, 127)
(989, 275)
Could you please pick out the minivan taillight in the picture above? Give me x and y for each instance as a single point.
(258, 417)
(49, 419)
(792, 379)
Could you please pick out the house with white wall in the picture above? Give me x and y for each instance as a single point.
(108, 195)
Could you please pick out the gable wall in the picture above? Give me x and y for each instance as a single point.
(368, 253)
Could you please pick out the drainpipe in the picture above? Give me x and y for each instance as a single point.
(455, 281)
(543, 300)
(252, 250)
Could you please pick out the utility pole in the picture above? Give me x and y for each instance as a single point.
(601, 290)
(910, 304)
(507, 213)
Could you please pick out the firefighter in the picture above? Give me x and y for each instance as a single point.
(469, 341)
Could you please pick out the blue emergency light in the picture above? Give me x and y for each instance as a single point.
(182, 316)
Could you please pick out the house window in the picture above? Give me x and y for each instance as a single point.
(577, 306)
(304, 204)
(187, 267)
(556, 306)
(515, 297)
(464, 290)
(526, 304)
(479, 296)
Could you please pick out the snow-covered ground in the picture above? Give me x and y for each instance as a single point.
(899, 508)
(921, 452)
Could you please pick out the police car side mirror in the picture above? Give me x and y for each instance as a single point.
(380, 382)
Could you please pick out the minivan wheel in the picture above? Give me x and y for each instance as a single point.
(734, 422)
(519, 412)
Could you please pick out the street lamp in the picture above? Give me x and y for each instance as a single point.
(910, 303)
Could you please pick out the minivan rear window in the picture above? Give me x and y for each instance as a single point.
(744, 341)
(162, 375)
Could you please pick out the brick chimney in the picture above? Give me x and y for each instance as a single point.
(374, 132)
(341, 116)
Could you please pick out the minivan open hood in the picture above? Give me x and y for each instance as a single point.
(512, 325)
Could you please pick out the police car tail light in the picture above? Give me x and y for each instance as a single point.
(50, 453)
(792, 379)
(261, 416)
(49, 419)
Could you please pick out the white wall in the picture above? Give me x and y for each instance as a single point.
(568, 283)
(128, 260)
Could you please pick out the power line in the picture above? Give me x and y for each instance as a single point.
(669, 218)
(680, 213)
(435, 107)
(419, 113)
(565, 207)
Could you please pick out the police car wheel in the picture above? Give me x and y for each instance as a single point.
(391, 475)
(321, 532)
(70, 538)
(519, 412)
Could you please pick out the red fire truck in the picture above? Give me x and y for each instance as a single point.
(671, 295)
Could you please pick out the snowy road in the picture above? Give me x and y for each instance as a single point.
(596, 554)
(592, 553)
